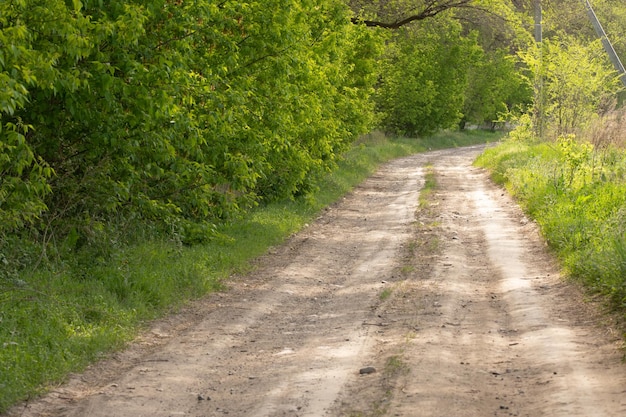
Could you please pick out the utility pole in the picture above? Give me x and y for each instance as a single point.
(608, 47)
(538, 110)
(538, 22)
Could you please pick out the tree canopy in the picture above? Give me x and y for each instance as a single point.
(185, 113)
(173, 109)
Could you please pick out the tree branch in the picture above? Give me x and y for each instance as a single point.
(432, 9)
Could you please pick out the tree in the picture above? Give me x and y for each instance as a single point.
(495, 89)
(425, 76)
(577, 82)
(179, 112)
(494, 30)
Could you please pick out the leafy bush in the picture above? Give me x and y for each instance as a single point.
(574, 83)
(174, 111)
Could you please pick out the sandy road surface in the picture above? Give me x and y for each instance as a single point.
(457, 308)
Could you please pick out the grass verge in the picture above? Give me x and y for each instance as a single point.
(59, 313)
(577, 195)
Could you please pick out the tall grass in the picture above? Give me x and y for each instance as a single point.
(63, 305)
(576, 191)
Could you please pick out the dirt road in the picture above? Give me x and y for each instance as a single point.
(379, 307)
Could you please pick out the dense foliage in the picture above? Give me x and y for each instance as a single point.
(575, 84)
(496, 89)
(423, 82)
(458, 68)
(172, 109)
(185, 113)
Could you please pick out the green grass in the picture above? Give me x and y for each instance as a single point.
(385, 294)
(578, 198)
(395, 365)
(430, 184)
(63, 306)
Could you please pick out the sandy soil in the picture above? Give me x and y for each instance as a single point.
(379, 307)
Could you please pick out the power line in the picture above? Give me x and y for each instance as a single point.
(608, 47)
